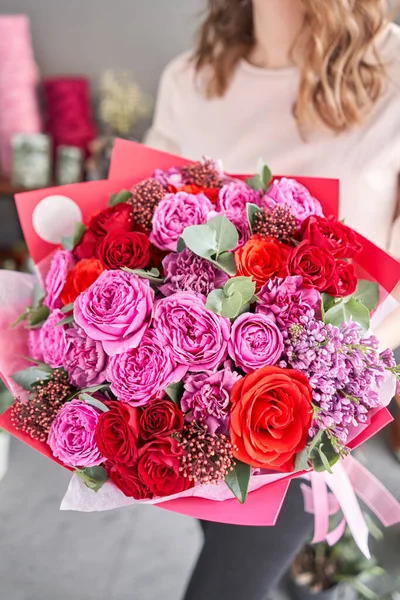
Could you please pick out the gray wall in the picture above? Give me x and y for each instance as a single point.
(88, 36)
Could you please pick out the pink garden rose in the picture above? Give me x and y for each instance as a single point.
(72, 435)
(197, 337)
(84, 359)
(234, 196)
(140, 373)
(295, 195)
(255, 342)
(206, 397)
(61, 264)
(286, 300)
(175, 212)
(53, 340)
(115, 310)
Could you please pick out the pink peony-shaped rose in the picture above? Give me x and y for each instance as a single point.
(175, 212)
(140, 373)
(234, 196)
(84, 359)
(185, 271)
(295, 195)
(34, 347)
(115, 310)
(197, 337)
(255, 342)
(286, 300)
(206, 397)
(53, 340)
(72, 435)
(61, 264)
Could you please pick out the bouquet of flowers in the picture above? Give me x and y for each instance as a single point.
(201, 337)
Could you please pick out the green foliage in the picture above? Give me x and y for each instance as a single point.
(213, 241)
(121, 197)
(69, 242)
(348, 309)
(35, 314)
(65, 321)
(367, 292)
(322, 454)
(93, 477)
(31, 375)
(251, 211)
(93, 402)
(153, 275)
(263, 177)
(238, 481)
(233, 299)
(174, 391)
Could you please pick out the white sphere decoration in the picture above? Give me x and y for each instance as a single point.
(54, 217)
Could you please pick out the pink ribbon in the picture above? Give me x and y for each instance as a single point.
(348, 480)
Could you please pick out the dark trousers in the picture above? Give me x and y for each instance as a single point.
(246, 563)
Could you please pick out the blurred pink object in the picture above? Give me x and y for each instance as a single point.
(19, 75)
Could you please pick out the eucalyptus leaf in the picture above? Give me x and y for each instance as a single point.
(367, 292)
(347, 310)
(180, 245)
(327, 302)
(232, 305)
(26, 377)
(251, 211)
(215, 301)
(65, 321)
(256, 183)
(200, 239)
(238, 480)
(174, 391)
(91, 390)
(37, 316)
(93, 402)
(227, 237)
(264, 172)
(226, 262)
(323, 455)
(244, 285)
(69, 242)
(153, 275)
(67, 308)
(301, 460)
(93, 477)
(121, 197)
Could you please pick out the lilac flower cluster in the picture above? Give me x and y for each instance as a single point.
(344, 370)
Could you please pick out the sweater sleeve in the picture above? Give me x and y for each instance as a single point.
(163, 135)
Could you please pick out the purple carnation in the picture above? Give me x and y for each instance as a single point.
(185, 271)
(72, 435)
(285, 300)
(175, 212)
(115, 310)
(84, 359)
(234, 196)
(61, 264)
(53, 340)
(197, 337)
(255, 342)
(206, 397)
(140, 373)
(295, 195)
(34, 346)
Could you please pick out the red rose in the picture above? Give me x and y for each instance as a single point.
(160, 417)
(115, 218)
(124, 249)
(315, 265)
(262, 259)
(117, 433)
(128, 481)
(270, 418)
(158, 467)
(330, 234)
(84, 273)
(211, 193)
(345, 281)
(156, 258)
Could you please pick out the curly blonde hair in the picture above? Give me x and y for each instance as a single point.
(342, 75)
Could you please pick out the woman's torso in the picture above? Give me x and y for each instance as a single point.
(255, 119)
